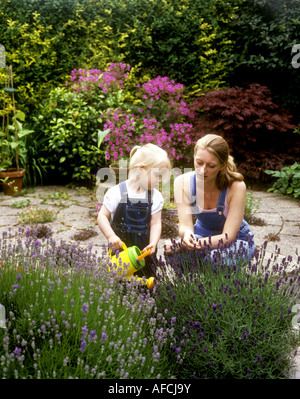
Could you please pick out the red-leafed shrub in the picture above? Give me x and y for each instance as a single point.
(257, 130)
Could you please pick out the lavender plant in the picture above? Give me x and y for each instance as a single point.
(231, 319)
(67, 317)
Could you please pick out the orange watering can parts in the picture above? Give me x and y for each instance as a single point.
(129, 261)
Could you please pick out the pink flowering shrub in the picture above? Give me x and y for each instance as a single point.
(99, 116)
(111, 79)
(161, 117)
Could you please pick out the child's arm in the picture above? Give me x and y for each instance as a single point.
(155, 232)
(104, 225)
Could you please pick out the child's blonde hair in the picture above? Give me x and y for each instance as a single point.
(148, 156)
(217, 146)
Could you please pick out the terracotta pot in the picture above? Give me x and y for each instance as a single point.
(120, 173)
(14, 181)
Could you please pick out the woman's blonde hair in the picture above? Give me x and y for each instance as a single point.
(149, 156)
(217, 146)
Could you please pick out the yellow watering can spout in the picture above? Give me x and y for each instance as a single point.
(129, 261)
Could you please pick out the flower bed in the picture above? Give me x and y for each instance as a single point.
(67, 317)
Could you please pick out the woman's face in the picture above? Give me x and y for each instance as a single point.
(207, 165)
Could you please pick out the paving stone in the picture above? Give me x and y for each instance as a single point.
(291, 228)
(270, 218)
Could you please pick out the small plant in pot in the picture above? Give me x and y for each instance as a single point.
(13, 147)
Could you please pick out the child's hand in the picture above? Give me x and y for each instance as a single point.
(150, 246)
(115, 242)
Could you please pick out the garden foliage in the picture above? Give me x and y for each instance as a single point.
(189, 41)
(99, 116)
(264, 35)
(205, 45)
(287, 180)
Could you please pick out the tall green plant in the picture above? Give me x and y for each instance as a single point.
(287, 180)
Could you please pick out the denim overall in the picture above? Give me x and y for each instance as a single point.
(131, 223)
(212, 223)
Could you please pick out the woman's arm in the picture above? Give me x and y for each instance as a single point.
(184, 209)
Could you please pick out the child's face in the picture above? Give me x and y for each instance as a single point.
(153, 177)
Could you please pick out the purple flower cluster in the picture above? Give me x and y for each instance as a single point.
(112, 78)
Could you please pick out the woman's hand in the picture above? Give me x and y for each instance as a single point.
(189, 240)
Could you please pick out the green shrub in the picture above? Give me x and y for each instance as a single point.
(287, 180)
(251, 205)
(189, 41)
(72, 121)
(70, 125)
(31, 50)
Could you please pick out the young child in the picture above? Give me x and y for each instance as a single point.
(131, 211)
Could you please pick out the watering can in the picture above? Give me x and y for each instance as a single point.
(130, 259)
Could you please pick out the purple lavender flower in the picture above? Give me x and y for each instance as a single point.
(82, 346)
(103, 337)
(85, 308)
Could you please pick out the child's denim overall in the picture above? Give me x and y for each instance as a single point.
(212, 223)
(131, 223)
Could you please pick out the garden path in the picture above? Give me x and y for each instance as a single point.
(75, 213)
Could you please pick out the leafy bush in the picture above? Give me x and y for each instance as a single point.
(72, 121)
(31, 50)
(264, 34)
(287, 180)
(252, 124)
(189, 41)
(231, 319)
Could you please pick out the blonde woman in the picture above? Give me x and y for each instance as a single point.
(131, 210)
(215, 193)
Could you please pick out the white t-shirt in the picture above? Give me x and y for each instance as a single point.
(112, 199)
